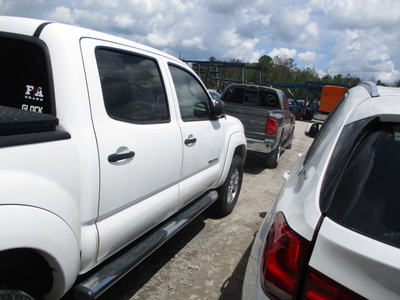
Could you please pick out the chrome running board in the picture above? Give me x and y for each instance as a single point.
(111, 271)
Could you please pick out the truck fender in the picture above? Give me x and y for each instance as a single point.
(47, 234)
(235, 145)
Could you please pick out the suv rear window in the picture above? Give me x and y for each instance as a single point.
(366, 197)
(24, 76)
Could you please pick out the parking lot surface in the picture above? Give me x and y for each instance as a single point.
(208, 258)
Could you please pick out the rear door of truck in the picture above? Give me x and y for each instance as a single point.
(139, 141)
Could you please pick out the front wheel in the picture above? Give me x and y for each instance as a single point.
(228, 193)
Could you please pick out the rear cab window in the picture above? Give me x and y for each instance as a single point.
(27, 94)
(25, 77)
(252, 96)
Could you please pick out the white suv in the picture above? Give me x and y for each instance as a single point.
(334, 230)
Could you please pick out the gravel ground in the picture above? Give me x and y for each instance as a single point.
(207, 259)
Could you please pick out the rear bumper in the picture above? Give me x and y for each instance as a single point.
(252, 285)
(264, 146)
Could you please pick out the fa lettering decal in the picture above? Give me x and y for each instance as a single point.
(33, 108)
(34, 93)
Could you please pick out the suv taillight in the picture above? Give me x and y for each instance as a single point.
(272, 126)
(320, 287)
(284, 259)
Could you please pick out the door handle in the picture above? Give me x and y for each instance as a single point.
(190, 140)
(120, 156)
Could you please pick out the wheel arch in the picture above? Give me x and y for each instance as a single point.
(39, 242)
(236, 146)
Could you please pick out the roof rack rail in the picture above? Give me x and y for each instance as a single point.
(371, 87)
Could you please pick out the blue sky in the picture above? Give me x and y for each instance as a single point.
(360, 37)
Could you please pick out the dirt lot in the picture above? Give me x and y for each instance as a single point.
(207, 259)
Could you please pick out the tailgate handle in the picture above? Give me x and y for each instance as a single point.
(120, 156)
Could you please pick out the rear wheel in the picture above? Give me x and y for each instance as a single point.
(229, 191)
(24, 270)
(290, 140)
(308, 115)
(272, 159)
(14, 295)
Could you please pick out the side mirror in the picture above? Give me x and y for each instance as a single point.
(219, 109)
(312, 129)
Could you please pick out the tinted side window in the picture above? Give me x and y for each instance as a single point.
(132, 85)
(193, 100)
(25, 75)
(366, 199)
(285, 103)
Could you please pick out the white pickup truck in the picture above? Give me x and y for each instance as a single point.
(107, 148)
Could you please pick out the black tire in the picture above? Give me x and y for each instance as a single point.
(289, 144)
(228, 193)
(272, 159)
(14, 295)
(308, 115)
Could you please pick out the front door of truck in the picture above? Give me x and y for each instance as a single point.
(140, 147)
(203, 137)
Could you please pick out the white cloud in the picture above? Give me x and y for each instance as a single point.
(62, 14)
(334, 35)
(194, 42)
(236, 47)
(124, 21)
(353, 14)
(309, 57)
(289, 23)
(250, 29)
(101, 3)
(366, 53)
(160, 39)
(283, 52)
(310, 36)
(225, 7)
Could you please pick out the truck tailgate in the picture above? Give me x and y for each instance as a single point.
(254, 119)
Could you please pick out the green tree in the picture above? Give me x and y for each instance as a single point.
(379, 82)
(267, 70)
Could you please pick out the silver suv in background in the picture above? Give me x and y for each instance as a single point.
(334, 230)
